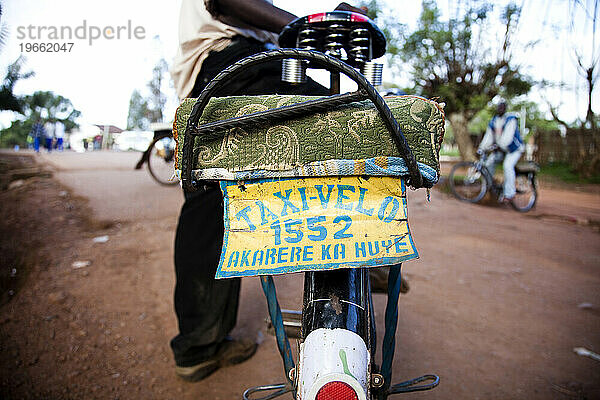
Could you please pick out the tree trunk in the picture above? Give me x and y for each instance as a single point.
(459, 122)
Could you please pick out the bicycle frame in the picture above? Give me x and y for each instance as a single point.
(492, 185)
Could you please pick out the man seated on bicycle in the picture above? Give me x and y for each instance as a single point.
(503, 139)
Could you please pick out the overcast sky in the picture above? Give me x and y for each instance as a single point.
(100, 77)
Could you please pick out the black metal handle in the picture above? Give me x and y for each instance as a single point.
(415, 179)
(411, 385)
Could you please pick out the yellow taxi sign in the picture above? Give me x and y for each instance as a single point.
(278, 226)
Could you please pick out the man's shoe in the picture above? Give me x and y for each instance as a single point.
(507, 200)
(230, 352)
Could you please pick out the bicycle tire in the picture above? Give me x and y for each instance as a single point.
(467, 183)
(160, 165)
(526, 195)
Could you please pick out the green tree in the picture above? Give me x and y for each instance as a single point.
(535, 120)
(144, 110)
(51, 107)
(139, 112)
(452, 60)
(43, 105)
(157, 99)
(8, 100)
(16, 133)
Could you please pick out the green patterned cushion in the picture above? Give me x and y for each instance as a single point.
(349, 132)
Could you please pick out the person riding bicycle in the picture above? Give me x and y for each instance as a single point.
(214, 34)
(503, 139)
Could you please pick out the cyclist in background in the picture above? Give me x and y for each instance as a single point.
(503, 139)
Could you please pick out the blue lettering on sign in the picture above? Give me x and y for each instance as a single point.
(244, 259)
(341, 234)
(324, 200)
(244, 214)
(303, 197)
(325, 252)
(341, 197)
(233, 259)
(270, 256)
(400, 246)
(277, 228)
(360, 248)
(307, 254)
(286, 202)
(297, 233)
(257, 259)
(392, 214)
(373, 248)
(281, 254)
(316, 228)
(295, 252)
(311, 224)
(265, 212)
(386, 245)
(361, 199)
(339, 251)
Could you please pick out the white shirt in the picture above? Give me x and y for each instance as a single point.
(503, 137)
(199, 34)
(59, 130)
(49, 128)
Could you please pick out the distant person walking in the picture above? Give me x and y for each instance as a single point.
(503, 138)
(37, 133)
(49, 128)
(59, 134)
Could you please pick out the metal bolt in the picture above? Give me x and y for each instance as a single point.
(376, 380)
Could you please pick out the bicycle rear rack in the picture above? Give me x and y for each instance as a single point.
(278, 388)
(409, 386)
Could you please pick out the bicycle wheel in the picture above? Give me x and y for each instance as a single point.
(160, 160)
(526, 194)
(467, 182)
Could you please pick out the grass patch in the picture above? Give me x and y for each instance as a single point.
(450, 153)
(565, 173)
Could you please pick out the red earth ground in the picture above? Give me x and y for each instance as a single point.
(498, 299)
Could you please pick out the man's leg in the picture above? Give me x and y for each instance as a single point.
(510, 160)
(207, 308)
(490, 163)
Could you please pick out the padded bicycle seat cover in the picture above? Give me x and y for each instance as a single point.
(347, 140)
(527, 167)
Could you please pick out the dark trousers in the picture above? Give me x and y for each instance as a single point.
(206, 308)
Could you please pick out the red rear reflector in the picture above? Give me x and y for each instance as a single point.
(355, 17)
(317, 17)
(336, 390)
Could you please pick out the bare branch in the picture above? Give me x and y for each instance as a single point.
(555, 114)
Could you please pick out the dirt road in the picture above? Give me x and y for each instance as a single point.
(498, 299)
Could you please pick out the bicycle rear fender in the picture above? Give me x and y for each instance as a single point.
(333, 355)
